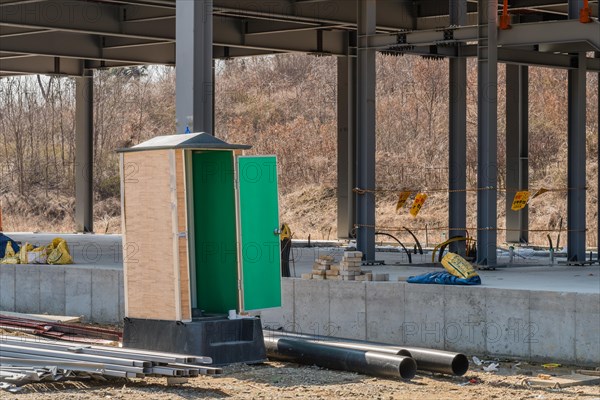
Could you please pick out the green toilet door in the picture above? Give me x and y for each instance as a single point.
(260, 256)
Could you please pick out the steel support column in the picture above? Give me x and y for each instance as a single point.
(487, 132)
(194, 70)
(365, 142)
(598, 187)
(346, 142)
(576, 154)
(517, 150)
(457, 140)
(84, 152)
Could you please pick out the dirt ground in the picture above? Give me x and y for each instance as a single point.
(274, 380)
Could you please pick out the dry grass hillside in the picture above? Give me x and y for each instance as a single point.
(285, 105)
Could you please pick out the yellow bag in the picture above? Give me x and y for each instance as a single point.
(458, 266)
(23, 259)
(9, 260)
(59, 253)
(9, 252)
(38, 255)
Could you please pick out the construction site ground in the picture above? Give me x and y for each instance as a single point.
(275, 380)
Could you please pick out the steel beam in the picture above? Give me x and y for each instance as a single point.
(194, 71)
(534, 33)
(346, 143)
(365, 141)
(457, 140)
(487, 127)
(84, 153)
(41, 65)
(517, 150)
(576, 198)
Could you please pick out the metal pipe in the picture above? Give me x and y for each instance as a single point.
(439, 361)
(365, 362)
(69, 355)
(149, 355)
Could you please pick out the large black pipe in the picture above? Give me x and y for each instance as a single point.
(344, 359)
(443, 362)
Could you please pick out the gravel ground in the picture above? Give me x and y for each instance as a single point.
(276, 380)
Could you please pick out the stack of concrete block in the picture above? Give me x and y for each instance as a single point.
(349, 267)
(321, 268)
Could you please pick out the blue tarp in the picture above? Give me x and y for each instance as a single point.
(3, 241)
(443, 278)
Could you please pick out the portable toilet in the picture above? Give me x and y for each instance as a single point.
(201, 249)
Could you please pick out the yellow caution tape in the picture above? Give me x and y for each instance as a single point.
(418, 204)
(402, 200)
(520, 200)
(540, 192)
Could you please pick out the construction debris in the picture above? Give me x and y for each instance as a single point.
(25, 360)
(348, 269)
(559, 382)
(43, 317)
(58, 330)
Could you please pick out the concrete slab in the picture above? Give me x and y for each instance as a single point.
(311, 306)
(52, 290)
(552, 322)
(385, 311)
(424, 316)
(347, 312)
(283, 317)
(78, 292)
(587, 328)
(7, 287)
(105, 290)
(464, 319)
(27, 293)
(507, 323)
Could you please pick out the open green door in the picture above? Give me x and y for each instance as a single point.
(260, 256)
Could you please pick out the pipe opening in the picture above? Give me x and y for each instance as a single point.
(404, 352)
(460, 365)
(407, 368)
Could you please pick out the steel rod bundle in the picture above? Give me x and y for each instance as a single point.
(430, 360)
(24, 360)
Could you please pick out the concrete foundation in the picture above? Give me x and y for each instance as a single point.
(549, 313)
(526, 324)
(95, 294)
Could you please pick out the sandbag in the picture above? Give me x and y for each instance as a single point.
(23, 259)
(39, 255)
(58, 252)
(458, 266)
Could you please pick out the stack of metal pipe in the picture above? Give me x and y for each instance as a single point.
(375, 359)
(21, 359)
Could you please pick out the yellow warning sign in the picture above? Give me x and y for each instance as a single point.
(402, 200)
(520, 200)
(540, 192)
(418, 204)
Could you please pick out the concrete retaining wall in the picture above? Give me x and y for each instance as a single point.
(95, 294)
(533, 325)
(528, 324)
